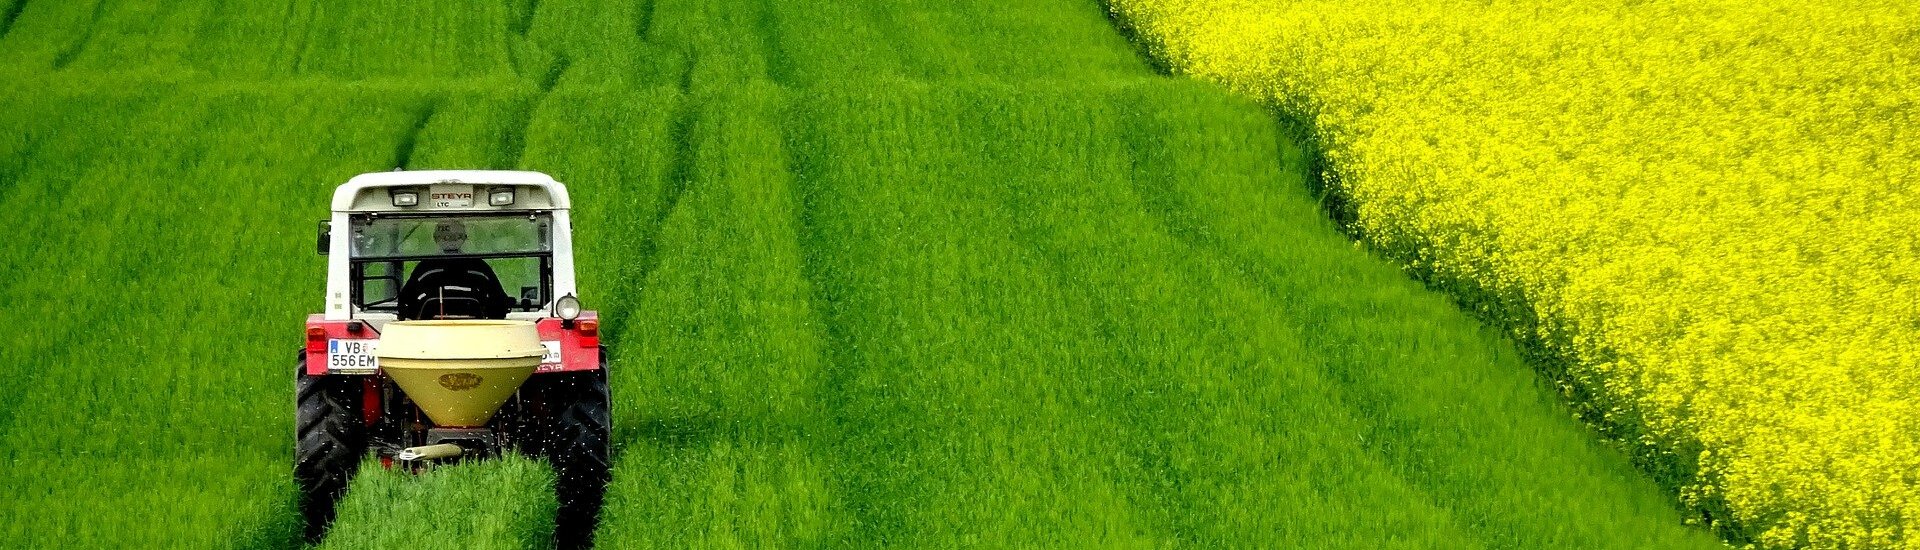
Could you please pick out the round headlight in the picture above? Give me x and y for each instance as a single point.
(567, 307)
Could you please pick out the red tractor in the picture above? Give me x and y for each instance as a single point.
(470, 274)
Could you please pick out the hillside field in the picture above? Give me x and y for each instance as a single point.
(910, 273)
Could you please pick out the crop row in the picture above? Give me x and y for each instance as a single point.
(503, 503)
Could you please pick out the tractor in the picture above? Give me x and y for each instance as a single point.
(452, 330)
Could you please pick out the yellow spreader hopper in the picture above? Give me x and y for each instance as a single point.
(459, 371)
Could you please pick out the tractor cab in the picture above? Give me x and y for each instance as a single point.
(448, 245)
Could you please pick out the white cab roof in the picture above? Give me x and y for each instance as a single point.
(344, 195)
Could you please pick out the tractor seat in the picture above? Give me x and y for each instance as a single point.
(451, 308)
(457, 288)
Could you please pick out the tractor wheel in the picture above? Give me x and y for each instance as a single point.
(578, 446)
(330, 438)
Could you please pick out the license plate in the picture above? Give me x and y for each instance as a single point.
(355, 356)
(553, 352)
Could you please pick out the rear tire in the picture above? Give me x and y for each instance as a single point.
(576, 440)
(330, 437)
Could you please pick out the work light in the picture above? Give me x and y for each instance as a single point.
(406, 198)
(567, 307)
(501, 197)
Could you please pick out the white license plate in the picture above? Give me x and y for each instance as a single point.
(553, 352)
(354, 355)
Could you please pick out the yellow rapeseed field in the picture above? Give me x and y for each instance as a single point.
(1706, 210)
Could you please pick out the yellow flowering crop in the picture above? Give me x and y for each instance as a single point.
(1707, 210)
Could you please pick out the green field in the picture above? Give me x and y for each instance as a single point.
(392, 509)
(912, 273)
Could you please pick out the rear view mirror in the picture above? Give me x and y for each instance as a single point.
(326, 234)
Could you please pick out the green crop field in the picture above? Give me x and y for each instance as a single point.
(391, 509)
(908, 273)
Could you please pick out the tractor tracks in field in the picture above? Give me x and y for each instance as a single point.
(545, 76)
(513, 136)
(678, 178)
(522, 16)
(14, 166)
(1362, 402)
(403, 149)
(680, 175)
(8, 17)
(778, 68)
(643, 20)
(826, 307)
(79, 45)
